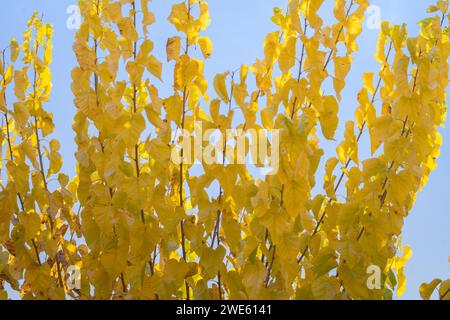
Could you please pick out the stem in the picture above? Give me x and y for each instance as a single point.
(41, 165)
(270, 266)
(136, 146)
(36, 132)
(391, 165)
(181, 180)
(321, 219)
(11, 157)
(263, 256)
(36, 251)
(363, 126)
(444, 295)
(273, 247)
(122, 280)
(330, 54)
(41, 161)
(216, 233)
(96, 87)
(220, 286)
(300, 68)
(384, 190)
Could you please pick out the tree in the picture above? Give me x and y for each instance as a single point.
(135, 220)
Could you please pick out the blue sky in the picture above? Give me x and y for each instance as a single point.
(238, 30)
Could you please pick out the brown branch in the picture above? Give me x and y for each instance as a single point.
(300, 68)
(361, 130)
(216, 233)
(272, 247)
(384, 194)
(328, 60)
(263, 256)
(11, 156)
(36, 251)
(270, 266)
(219, 280)
(321, 219)
(41, 164)
(97, 99)
(391, 165)
(122, 280)
(444, 295)
(136, 146)
(330, 54)
(181, 182)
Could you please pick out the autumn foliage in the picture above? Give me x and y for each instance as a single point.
(139, 226)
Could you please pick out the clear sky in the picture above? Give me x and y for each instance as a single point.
(238, 29)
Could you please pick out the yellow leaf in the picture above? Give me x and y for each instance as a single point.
(287, 56)
(114, 260)
(20, 174)
(32, 223)
(426, 289)
(149, 17)
(373, 167)
(39, 277)
(325, 288)
(204, 18)
(173, 106)
(55, 157)
(211, 260)
(173, 47)
(179, 16)
(186, 70)
(329, 177)
(8, 76)
(271, 48)
(135, 71)
(328, 113)
(324, 262)
(399, 264)
(220, 87)
(267, 120)
(20, 83)
(341, 69)
(354, 25)
(154, 66)
(348, 215)
(348, 149)
(401, 184)
(368, 82)
(443, 5)
(339, 10)
(14, 47)
(206, 46)
(214, 110)
(114, 10)
(401, 282)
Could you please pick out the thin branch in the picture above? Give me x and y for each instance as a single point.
(330, 54)
(361, 130)
(136, 146)
(300, 68)
(441, 297)
(270, 266)
(391, 165)
(181, 182)
(322, 218)
(41, 162)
